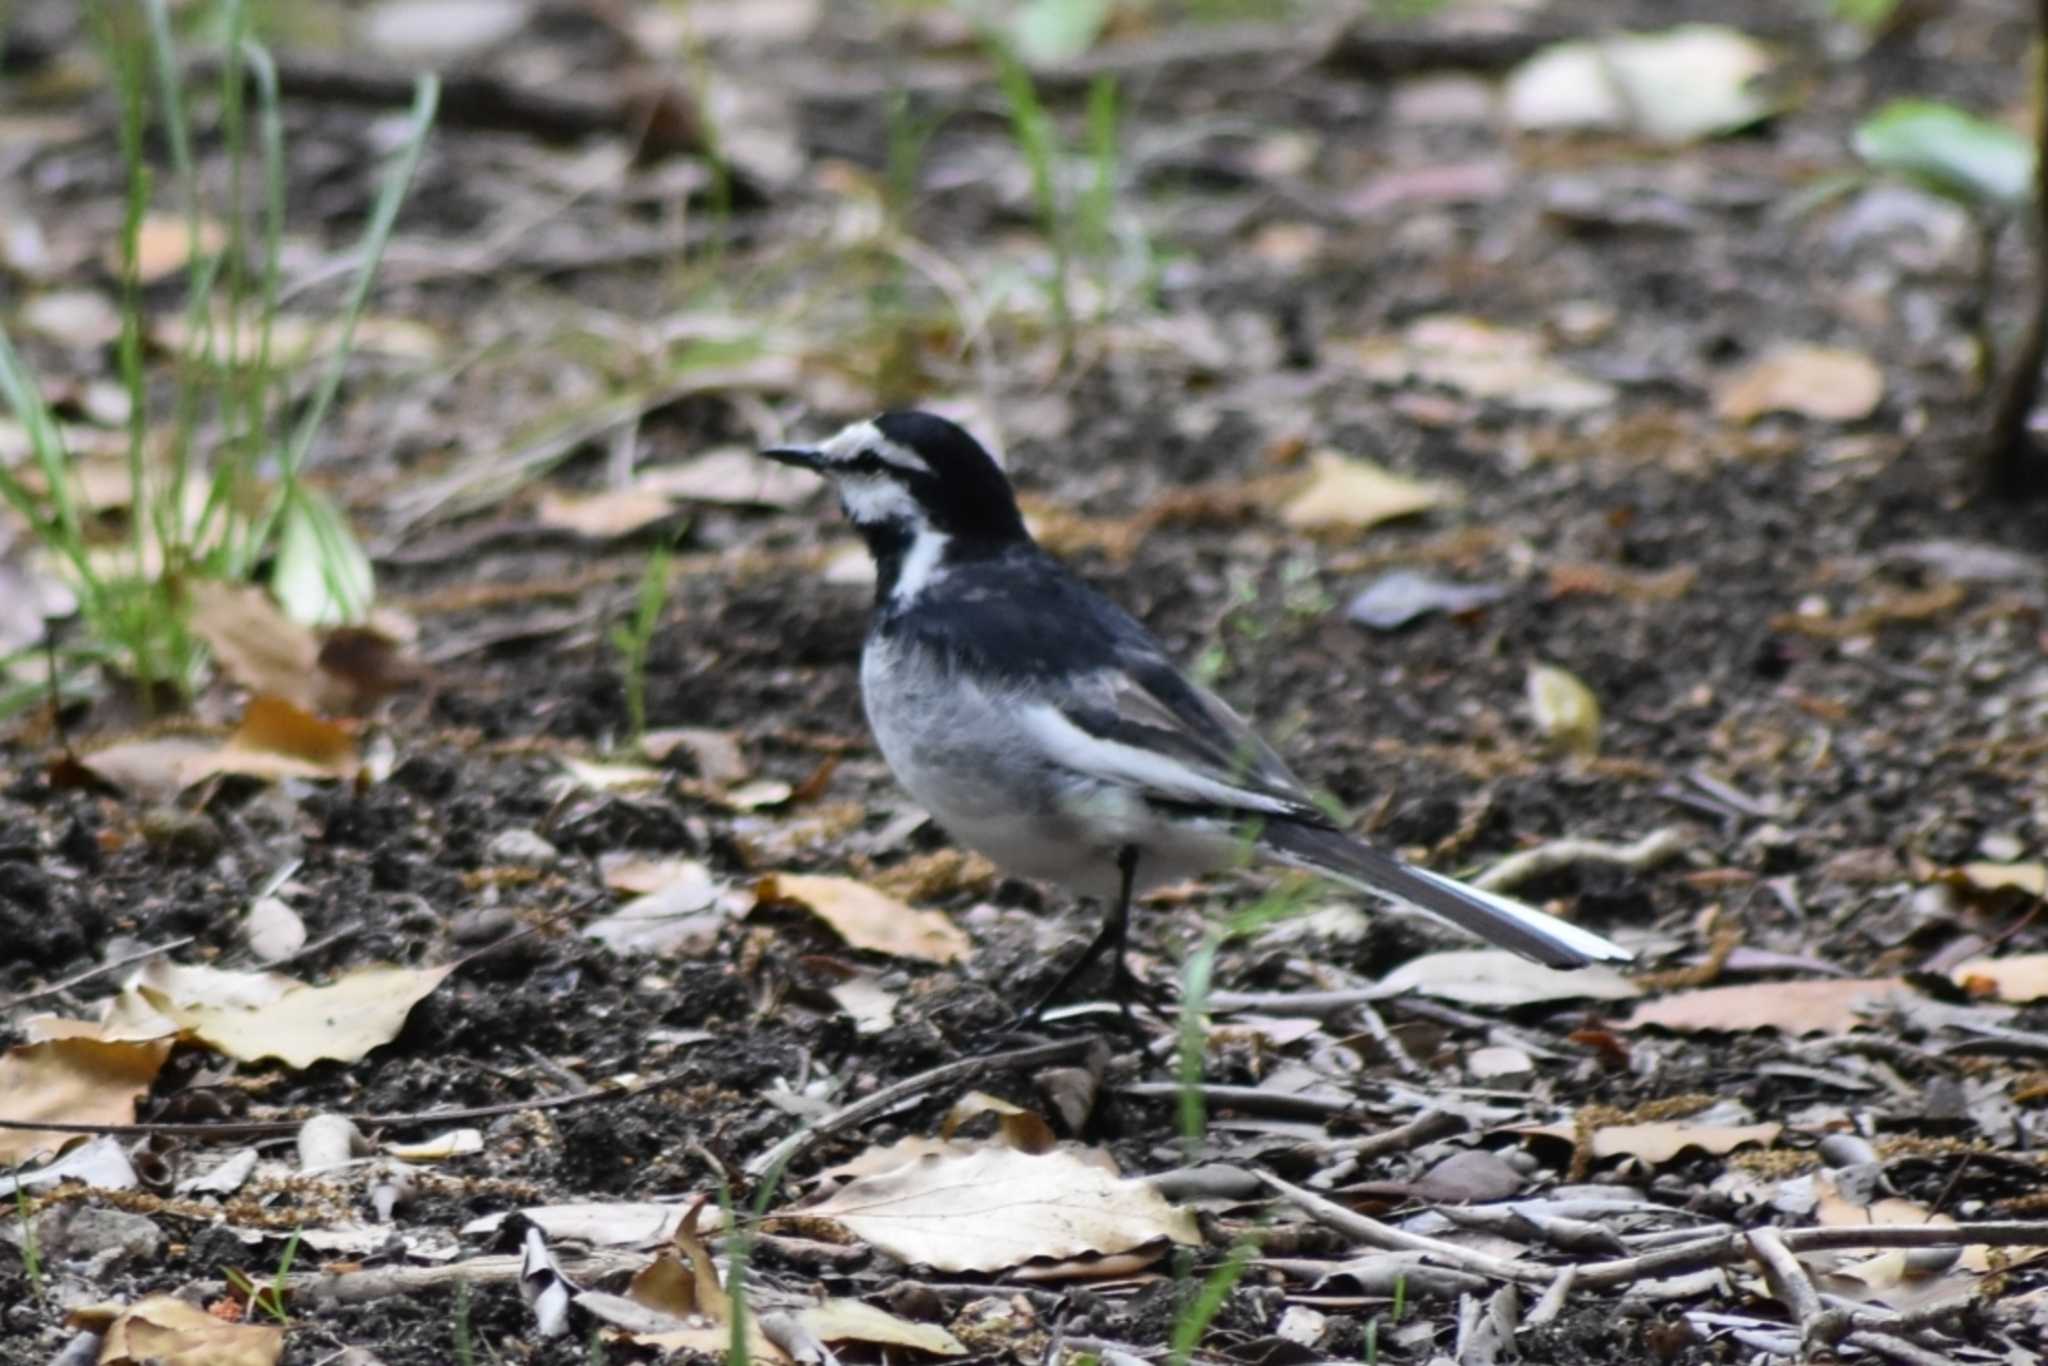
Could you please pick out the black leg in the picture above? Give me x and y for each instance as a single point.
(1112, 936)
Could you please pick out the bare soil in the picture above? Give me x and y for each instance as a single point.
(1825, 710)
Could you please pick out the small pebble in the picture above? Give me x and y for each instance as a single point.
(521, 848)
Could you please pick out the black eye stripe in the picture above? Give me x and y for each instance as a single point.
(867, 462)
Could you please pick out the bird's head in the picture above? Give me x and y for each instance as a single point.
(905, 477)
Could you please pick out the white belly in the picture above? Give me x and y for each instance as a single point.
(947, 743)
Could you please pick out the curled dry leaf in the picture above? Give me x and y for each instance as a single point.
(716, 752)
(73, 1080)
(1022, 1129)
(1565, 709)
(1825, 1007)
(997, 1207)
(1827, 383)
(1345, 492)
(868, 919)
(340, 1022)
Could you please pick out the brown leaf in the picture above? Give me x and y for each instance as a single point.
(255, 642)
(279, 740)
(1828, 383)
(1822, 1007)
(868, 919)
(76, 1080)
(164, 1330)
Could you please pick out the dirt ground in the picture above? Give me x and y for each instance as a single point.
(1818, 659)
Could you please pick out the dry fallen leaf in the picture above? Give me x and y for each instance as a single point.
(1565, 709)
(677, 911)
(164, 243)
(340, 1022)
(278, 740)
(1496, 977)
(75, 1080)
(845, 1320)
(868, 919)
(2031, 878)
(996, 1207)
(716, 752)
(1025, 1130)
(255, 642)
(1823, 1007)
(2020, 978)
(1345, 492)
(1828, 383)
(604, 516)
(164, 1330)
(1477, 358)
(1661, 1141)
(154, 768)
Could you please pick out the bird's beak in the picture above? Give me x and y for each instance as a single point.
(803, 457)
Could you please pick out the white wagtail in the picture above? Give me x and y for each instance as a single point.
(1041, 724)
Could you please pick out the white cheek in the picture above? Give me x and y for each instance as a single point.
(876, 499)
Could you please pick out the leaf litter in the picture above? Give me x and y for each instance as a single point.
(1679, 569)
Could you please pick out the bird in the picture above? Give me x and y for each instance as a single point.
(1045, 727)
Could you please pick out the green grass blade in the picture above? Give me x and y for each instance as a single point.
(376, 237)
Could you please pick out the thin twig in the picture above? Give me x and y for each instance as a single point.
(258, 1128)
(886, 1099)
(1896, 1349)
(1249, 1098)
(86, 976)
(1715, 1249)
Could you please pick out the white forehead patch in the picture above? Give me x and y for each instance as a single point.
(850, 442)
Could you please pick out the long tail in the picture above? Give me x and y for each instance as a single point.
(1496, 919)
